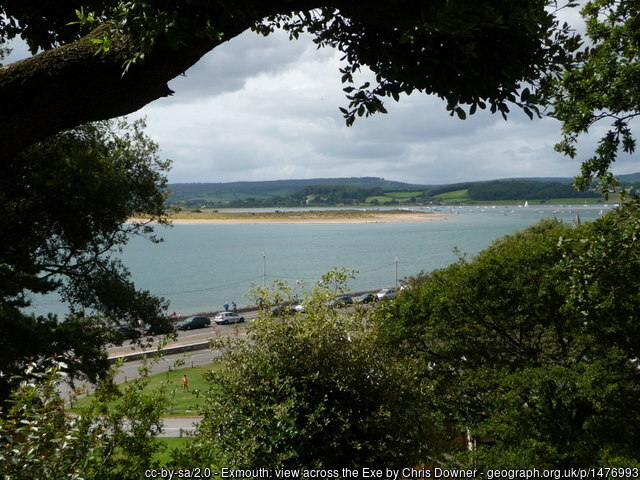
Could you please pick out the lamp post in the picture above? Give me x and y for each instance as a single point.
(264, 269)
(396, 271)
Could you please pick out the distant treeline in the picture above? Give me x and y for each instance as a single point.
(523, 190)
(331, 195)
(366, 191)
(272, 192)
(313, 195)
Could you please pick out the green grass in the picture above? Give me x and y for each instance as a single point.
(402, 195)
(172, 443)
(185, 403)
(456, 195)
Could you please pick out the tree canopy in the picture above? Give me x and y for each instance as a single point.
(65, 203)
(600, 84)
(312, 391)
(532, 346)
(119, 56)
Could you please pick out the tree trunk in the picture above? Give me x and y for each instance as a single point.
(70, 85)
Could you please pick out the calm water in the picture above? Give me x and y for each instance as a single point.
(200, 267)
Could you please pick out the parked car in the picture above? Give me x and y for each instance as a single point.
(387, 293)
(127, 332)
(341, 301)
(365, 298)
(190, 323)
(157, 329)
(225, 318)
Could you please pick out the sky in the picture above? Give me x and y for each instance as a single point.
(266, 108)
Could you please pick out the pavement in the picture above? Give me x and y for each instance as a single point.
(191, 348)
(179, 426)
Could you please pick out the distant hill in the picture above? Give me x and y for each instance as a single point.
(631, 178)
(206, 193)
(372, 190)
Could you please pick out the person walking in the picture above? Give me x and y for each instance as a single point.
(234, 307)
(226, 306)
(185, 383)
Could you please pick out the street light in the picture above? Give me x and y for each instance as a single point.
(264, 269)
(396, 271)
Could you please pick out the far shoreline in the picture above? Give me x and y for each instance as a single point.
(308, 217)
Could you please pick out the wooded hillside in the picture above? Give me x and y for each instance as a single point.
(374, 191)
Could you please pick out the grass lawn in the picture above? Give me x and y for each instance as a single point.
(457, 195)
(177, 443)
(185, 403)
(402, 195)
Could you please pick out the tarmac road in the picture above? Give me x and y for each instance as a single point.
(184, 337)
(202, 355)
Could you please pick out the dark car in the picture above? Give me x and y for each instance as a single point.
(157, 328)
(190, 323)
(366, 298)
(341, 301)
(127, 332)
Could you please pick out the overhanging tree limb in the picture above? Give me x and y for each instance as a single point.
(469, 53)
(70, 85)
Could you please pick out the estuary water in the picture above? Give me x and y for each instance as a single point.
(200, 267)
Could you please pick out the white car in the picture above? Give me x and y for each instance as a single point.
(225, 318)
(387, 293)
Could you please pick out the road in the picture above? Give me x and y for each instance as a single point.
(174, 426)
(199, 356)
(187, 337)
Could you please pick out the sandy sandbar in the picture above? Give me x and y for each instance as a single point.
(378, 217)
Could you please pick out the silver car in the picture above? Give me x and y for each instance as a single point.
(387, 293)
(225, 318)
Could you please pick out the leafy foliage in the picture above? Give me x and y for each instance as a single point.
(65, 203)
(601, 83)
(312, 390)
(39, 440)
(399, 41)
(532, 345)
(469, 53)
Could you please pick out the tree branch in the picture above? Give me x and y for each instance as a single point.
(70, 85)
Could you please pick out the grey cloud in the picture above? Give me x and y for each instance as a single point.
(227, 67)
(274, 114)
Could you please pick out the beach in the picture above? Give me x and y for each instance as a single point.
(303, 217)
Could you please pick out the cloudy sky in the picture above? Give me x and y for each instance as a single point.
(262, 108)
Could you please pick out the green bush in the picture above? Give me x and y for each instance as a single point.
(313, 390)
(531, 346)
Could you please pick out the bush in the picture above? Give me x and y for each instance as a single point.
(313, 390)
(38, 440)
(531, 345)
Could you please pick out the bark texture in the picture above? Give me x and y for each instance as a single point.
(70, 85)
